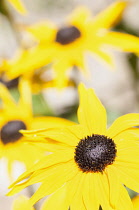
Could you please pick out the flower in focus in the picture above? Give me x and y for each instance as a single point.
(91, 164)
(18, 6)
(135, 202)
(15, 116)
(22, 203)
(65, 46)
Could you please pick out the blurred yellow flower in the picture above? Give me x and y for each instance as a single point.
(18, 6)
(90, 163)
(22, 203)
(66, 46)
(15, 116)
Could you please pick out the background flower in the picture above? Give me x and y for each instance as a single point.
(66, 46)
(16, 116)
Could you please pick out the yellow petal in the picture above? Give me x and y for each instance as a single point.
(124, 200)
(22, 203)
(102, 190)
(114, 185)
(89, 197)
(121, 41)
(110, 16)
(77, 201)
(25, 101)
(91, 113)
(60, 73)
(129, 177)
(73, 185)
(50, 122)
(135, 202)
(18, 6)
(122, 123)
(65, 173)
(57, 200)
(78, 131)
(7, 99)
(57, 134)
(102, 55)
(79, 16)
(24, 62)
(131, 134)
(128, 152)
(43, 31)
(45, 162)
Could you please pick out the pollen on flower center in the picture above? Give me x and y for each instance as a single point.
(67, 35)
(10, 131)
(94, 153)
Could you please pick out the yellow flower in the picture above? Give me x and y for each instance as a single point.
(66, 46)
(18, 6)
(135, 202)
(91, 162)
(22, 203)
(15, 116)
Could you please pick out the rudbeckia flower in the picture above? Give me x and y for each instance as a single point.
(92, 163)
(22, 203)
(18, 6)
(65, 46)
(15, 116)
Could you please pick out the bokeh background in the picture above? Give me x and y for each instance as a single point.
(118, 90)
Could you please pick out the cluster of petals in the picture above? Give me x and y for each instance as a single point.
(19, 115)
(66, 47)
(61, 176)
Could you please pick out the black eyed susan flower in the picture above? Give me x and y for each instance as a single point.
(16, 116)
(65, 46)
(92, 163)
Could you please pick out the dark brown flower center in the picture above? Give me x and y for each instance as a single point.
(67, 35)
(10, 131)
(94, 153)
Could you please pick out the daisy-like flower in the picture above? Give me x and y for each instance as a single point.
(91, 162)
(18, 5)
(15, 116)
(65, 46)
